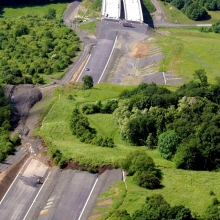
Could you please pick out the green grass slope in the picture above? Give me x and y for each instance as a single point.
(174, 15)
(38, 10)
(188, 188)
(188, 49)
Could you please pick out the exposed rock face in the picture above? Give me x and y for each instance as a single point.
(22, 97)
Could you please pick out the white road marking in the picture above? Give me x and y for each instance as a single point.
(165, 82)
(88, 199)
(108, 59)
(37, 196)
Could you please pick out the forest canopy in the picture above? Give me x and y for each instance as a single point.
(183, 124)
(31, 46)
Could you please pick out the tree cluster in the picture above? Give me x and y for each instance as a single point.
(7, 144)
(98, 107)
(195, 9)
(31, 46)
(183, 124)
(141, 166)
(156, 207)
(58, 157)
(80, 127)
(214, 28)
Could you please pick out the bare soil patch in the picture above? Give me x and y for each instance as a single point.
(140, 50)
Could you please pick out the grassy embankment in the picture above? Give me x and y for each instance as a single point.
(188, 49)
(40, 11)
(189, 188)
(91, 13)
(174, 15)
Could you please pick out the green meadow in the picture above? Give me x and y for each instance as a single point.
(34, 10)
(188, 49)
(174, 15)
(189, 188)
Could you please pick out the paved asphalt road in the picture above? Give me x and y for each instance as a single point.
(19, 198)
(64, 195)
(107, 34)
(12, 159)
(75, 195)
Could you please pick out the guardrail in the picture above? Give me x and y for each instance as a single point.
(125, 9)
(103, 7)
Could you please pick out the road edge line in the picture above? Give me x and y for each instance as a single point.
(14, 181)
(108, 59)
(83, 68)
(37, 195)
(88, 198)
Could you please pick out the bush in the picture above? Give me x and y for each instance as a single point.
(147, 180)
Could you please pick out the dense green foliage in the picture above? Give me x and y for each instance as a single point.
(87, 82)
(142, 167)
(7, 145)
(168, 143)
(31, 46)
(188, 117)
(98, 107)
(156, 207)
(213, 211)
(81, 128)
(215, 28)
(148, 4)
(195, 10)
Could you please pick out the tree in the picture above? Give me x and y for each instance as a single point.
(142, 166)
(189, 156)
(216, 27)
(201, 75)
(87, 82)
(146, 180)
(213, 211)
(51, 14)
(168, 144)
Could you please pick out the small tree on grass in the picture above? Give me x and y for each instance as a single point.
(142, 166)
(87, 82)
(168, 144)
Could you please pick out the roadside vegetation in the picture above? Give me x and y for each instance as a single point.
(174, 15)
(195, 10)
(187, 49)
(7, 144)
(150, 7)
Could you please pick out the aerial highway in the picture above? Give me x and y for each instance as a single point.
(111, 9)
(18, 199)
(133, 11)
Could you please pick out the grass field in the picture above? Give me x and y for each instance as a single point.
(181, 187)
(188, 49)
(89, 27)
(23, 10)
(174, 15)
(188, 188)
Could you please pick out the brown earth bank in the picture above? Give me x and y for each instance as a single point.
(97, 169)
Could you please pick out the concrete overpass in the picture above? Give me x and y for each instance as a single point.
(111, 9)
(133, 11)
